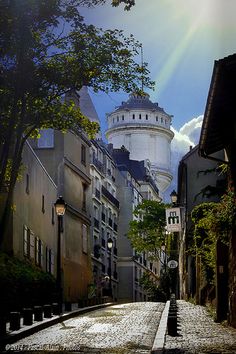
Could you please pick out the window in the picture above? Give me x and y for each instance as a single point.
(161, 120)
(38, 252)
(85, 238)
(83, 154)
(146, 116)
(156, 118)
(46, 139)
(117, 118)
(43, 204)
(28, 243)
(49, 260)
(123, 117)
(140, 116)
(84, 187)
(133, 116)
(27, 184)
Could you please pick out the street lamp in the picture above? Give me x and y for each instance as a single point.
(175, 280)
(174, 197)
(109, 246)
(60, 208)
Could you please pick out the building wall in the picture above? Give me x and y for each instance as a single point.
(34, 197)
(104, 214)
(68, 163)
(191, 181)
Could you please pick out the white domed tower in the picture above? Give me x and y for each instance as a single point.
(144, 129)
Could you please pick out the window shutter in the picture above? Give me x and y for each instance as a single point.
(25, 240)
(41, 254)
(32, 245)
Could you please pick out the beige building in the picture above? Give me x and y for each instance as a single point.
(66, 159)
(33, 231)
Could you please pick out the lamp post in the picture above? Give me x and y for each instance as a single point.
(60, 207)
(175, 281)
(174, 197)
(109, 246)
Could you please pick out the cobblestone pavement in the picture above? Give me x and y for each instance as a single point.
(199, 334)
(118, 329)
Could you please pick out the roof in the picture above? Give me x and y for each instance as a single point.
(136, 101)
(219, 118)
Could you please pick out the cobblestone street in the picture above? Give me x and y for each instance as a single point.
(118, 329)
(199, 334)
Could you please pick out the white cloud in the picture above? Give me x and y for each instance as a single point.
(188, 135)
(192, 129)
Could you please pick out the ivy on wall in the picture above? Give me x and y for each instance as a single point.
(212, 222)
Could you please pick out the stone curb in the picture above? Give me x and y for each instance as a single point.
(159, 341)
(38, 326)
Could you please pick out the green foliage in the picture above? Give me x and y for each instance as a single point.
(128, 3)
(213, 222)
(147, 232)
(150, 285)
(22, 284)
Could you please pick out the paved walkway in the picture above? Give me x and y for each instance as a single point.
(199, 334)
(118, 329)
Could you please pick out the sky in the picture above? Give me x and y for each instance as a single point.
(181, 40)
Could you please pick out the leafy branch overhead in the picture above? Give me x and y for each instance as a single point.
(128, 3)
(47, 52)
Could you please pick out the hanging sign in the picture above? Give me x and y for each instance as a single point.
(173, 220)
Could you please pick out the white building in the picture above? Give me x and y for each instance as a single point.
(143, 128)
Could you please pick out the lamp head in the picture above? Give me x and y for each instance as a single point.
(60, 206)
(110, 243)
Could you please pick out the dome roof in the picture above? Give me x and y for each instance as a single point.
(137, 101)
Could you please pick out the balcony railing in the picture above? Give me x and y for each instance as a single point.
(97, 193)
(110, 197)
(110, 222)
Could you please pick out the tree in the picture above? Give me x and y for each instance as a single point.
(128, 3)
(147, 232)
(47, 51)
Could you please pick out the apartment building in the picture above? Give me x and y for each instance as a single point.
(104, 215)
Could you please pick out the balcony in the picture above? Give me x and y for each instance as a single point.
(96, 223)
(98, 164)
(110, 197)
